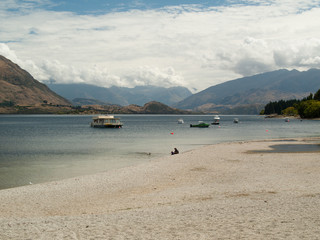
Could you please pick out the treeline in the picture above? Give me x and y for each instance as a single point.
(277, 107)
(7, 104)
(308, 107)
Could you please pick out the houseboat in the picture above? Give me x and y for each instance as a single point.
(106, 121)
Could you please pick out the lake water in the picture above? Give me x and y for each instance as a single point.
(41, 148)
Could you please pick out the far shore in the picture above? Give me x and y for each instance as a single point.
(290, 117)
(224, 191)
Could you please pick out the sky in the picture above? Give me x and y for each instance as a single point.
(128, 43)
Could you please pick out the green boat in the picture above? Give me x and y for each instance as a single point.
(200, 125)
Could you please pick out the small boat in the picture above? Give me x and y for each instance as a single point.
(180, 121)
(106, 121)
(236, 120)
(287, 119)
(200, 125)
(216, 120)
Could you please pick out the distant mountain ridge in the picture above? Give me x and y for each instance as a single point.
(246, 95)
(121, 95)
(18, 87)
(21, 93)
(152, 107)
(250, 94)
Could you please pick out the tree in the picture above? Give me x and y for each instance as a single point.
(317, 95)
(7, 104)
(290, 111)
(279, 106)
(310, 97)
(309, 109)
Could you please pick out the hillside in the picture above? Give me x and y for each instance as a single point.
(142, 94)
(18, 87)
(86, 91)
(148, 108)
(153, 108)
(21, 93)
(87, 101)
(121, 95)
(250, 94)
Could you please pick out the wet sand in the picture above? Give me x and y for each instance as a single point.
(223, 191)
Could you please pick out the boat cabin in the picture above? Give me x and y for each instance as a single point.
(106, 121)
(216, 120)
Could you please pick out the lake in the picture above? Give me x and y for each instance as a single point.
(41, 148)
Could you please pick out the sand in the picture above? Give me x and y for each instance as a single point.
(222, 191)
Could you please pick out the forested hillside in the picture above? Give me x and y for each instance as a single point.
(308, 107)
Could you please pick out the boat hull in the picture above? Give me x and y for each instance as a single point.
(200, 125)
(105, 126)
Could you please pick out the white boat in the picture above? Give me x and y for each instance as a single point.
(106, 121)
(236, 120)
(180, 121)
(216, 120)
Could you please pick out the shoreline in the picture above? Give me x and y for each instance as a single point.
(290, 117)
(215, 191)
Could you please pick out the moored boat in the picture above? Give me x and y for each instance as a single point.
(180, 121)
(106, 121)
(216, 120)
(200, 125)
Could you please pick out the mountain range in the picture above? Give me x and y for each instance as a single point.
(20, 88)
(21, 93)
(248, 95)
(85, 94)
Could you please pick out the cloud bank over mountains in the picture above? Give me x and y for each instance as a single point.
(190, 45)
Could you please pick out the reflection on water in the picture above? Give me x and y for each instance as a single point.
(291, 148)
(40, 148)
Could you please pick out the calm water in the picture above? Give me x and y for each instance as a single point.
(40, 148)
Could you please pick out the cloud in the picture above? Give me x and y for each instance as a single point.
(147, 75)
(22, 6)
(28, 65)
(8, 53)
(298, 54)
(188, 45)
(141, 76)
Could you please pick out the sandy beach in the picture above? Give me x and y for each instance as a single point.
(223, 191)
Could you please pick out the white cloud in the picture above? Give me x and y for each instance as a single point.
(298, 54)
(28, 65)
(147, 75)
(189, 46)
(8, 53)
